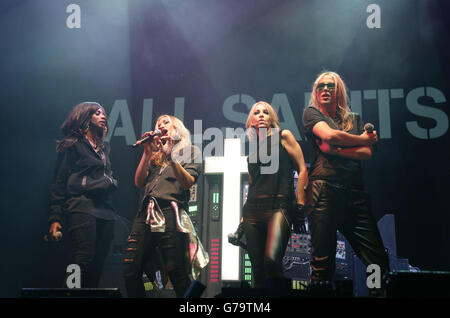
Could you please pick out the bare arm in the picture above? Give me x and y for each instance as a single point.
(337, 137)
(358, 153)
(142, 170)
(295, 152)
(183, 177)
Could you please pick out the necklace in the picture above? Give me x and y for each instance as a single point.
(94, 145)
(164, 166)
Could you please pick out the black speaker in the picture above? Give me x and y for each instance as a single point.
(71, 293)
(401, 284)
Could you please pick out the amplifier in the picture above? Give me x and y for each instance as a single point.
(296, 260)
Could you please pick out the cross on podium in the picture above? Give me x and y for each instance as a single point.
(231, 165)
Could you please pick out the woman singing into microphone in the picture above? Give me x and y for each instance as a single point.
(169, 166)
(270, 208)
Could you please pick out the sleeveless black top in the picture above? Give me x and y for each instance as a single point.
(279, 184)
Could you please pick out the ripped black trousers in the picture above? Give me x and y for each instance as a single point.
(140, 253)
(267, 232)
(334, 207)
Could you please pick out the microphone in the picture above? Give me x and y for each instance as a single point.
(156, 133)
(235, 238)
(232, 236)
(49, 238)
(369, 128)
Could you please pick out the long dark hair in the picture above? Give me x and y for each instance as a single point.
(77, 124)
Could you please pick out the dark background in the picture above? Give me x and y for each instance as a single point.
(206, 51)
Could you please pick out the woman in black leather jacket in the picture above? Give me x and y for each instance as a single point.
(82, 188)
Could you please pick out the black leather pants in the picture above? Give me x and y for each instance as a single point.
(333, 207)
(91, 239)
(267, 233)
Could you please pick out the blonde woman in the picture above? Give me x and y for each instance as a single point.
(271, 204)
(336, 199)
(168, 168)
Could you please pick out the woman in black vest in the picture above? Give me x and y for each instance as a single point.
(271, 205)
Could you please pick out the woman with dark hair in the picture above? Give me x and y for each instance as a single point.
(162, 230)
(82, 188)
(272, 207)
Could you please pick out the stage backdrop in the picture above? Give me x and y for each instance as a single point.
(210, 60)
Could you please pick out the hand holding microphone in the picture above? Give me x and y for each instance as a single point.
(53, 238)
(147, 137)
(236, 237)
(369, 128)
(54, 234)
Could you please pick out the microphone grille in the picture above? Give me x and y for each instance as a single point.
(368, 127)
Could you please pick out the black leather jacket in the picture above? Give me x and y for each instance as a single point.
(83, 182)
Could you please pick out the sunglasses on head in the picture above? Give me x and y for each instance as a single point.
(330, 86)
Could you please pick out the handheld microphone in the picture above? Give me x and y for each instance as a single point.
(232, 236)
(156, 133)
(369, 128)
(49, 238)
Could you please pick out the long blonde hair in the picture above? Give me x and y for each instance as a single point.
(274, 121)
(180, 134)
(341, 98)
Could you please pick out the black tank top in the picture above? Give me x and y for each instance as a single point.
(278, 184)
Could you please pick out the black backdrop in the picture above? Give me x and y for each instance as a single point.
(209, 60)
